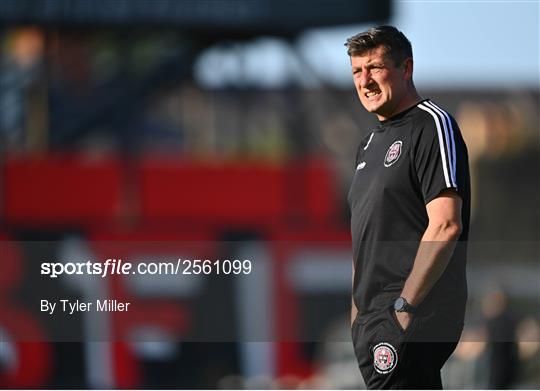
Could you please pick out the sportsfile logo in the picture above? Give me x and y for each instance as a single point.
(103, 269)
(121, 267)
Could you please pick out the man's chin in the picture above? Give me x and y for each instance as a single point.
(374, 109)
(367, 105)
(379, 108)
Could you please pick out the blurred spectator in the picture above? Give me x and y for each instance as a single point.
(20, 69)
(335, 359)
(528, 332)
(502, 352)
(466, 368)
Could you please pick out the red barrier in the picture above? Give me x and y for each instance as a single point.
(76, 191)
(234, 194)
(226, 193)
(60, 190)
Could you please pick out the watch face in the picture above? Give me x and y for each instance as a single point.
(399, 304)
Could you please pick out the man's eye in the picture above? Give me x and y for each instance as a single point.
(376, 69)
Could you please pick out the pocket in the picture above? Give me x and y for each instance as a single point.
(394, 320)
(365, 326)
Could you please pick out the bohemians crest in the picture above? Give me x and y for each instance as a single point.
(385, 358)
(393, 153)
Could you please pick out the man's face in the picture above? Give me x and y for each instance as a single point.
(381, 86)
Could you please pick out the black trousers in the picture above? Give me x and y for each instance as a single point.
(392, 358)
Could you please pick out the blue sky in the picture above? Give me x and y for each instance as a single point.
(456, 44)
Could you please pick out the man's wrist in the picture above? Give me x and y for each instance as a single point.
(402, 305)
(412, 299)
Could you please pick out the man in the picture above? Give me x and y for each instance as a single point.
(410, 203)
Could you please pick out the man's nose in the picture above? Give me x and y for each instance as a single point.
(365, 79)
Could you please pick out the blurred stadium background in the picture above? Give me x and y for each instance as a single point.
(227, 125)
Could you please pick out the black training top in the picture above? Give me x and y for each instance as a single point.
(400, 167)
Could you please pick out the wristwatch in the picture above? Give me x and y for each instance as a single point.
(401, 305)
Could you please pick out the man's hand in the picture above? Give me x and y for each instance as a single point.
(404, 319)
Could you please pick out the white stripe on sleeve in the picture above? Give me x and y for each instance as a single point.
(449, 135)
(445, 164)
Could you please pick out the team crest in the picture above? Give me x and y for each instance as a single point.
(385, 358)
(393, 154)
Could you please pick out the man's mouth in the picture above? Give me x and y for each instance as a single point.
(371, 94)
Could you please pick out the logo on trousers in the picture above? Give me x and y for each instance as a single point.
(385, 358)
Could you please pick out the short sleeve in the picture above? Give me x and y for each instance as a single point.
(439, 153)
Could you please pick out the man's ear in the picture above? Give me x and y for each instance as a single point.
(408, 68)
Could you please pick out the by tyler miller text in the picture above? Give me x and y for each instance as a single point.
(74, 306)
